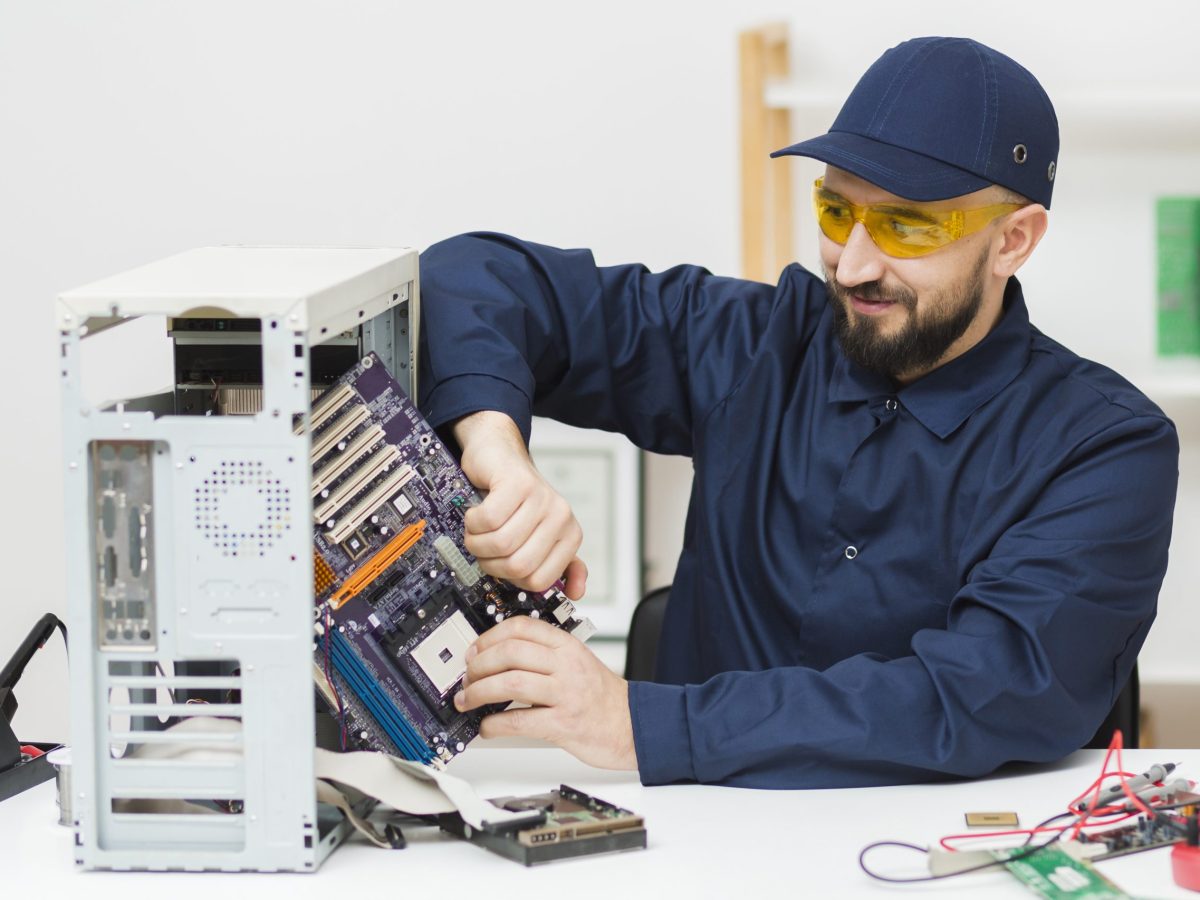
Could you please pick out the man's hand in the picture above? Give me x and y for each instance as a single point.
(577, 703)
(524, 531)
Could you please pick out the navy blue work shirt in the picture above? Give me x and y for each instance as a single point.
(878, 584)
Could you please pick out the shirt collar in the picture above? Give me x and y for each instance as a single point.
(946, 397)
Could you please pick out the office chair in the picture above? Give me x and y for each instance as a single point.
(647, 621)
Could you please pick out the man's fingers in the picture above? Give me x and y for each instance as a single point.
(519, 564)
(550, 571)
(522, 628)
(515, 653)
(496, 509)
(575, 579)
(532, 723)
(523, 687)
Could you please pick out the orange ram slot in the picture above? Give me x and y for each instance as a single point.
(375, 566)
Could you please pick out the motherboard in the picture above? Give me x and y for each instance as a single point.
(398, 598)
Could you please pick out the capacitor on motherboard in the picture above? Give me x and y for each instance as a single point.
(491, 609)
(535, 615)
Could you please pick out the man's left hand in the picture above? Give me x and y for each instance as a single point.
(575, 701)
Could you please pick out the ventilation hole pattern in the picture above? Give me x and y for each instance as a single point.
(230, 485)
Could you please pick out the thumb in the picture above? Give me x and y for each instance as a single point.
(575, 578)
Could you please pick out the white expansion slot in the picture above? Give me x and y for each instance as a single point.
(355, 517)
(359, 479)
(340, 429)
(326, 407)
(331, 472)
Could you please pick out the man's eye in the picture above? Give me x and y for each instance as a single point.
(907, 227)
(837, 212)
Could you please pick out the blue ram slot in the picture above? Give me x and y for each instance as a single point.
(403, 735)
(377, 701)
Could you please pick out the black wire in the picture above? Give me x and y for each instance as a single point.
(997, 862)
(1167, 807)
(41, 632)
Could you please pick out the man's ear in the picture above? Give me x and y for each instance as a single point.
(1022, 231)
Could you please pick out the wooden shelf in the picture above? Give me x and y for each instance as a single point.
(1147, 121)
(1117, 116)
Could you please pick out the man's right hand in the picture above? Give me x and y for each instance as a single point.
(524, 530)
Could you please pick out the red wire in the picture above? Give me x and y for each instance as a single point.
(1028, 831)
(1115, 745)
(1090, 811)
(1129, 792)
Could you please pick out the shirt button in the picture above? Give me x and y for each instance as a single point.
(851, 552)
(892, 405)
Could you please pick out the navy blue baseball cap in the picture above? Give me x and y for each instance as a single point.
(938, 117)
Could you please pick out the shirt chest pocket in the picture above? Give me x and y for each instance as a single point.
(876, 589)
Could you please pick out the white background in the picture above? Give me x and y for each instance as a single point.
(131, 130)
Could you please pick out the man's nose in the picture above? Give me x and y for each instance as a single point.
(860, 261)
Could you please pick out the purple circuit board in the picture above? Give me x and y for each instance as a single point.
(398, 597)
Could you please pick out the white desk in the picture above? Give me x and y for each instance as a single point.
(703, 842)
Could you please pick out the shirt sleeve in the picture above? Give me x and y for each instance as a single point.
(528, 329)
(1038, 643)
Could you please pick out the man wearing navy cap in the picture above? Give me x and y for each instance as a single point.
(924, 539)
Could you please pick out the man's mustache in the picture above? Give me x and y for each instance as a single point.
(871, 290)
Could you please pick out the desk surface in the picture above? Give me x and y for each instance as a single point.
(704, 841)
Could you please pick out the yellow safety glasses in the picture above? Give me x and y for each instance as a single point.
(901, 231)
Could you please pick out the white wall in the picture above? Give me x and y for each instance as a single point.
(131, 130)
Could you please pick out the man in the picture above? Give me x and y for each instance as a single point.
(923, 540)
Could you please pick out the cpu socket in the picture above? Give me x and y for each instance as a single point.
(441, 656)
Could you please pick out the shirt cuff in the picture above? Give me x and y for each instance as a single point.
(660, 732)
(462, 395)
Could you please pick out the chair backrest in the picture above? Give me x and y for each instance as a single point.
(1125, 715)
(642, 651)
(644, 629)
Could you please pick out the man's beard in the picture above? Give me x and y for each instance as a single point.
(921, 341)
